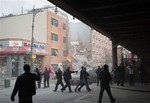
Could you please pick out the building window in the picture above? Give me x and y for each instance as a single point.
(54, 22)
(54, 37)
(54, 52)
(64, 53)
(64, 39)
(55, 66)
(64, 26)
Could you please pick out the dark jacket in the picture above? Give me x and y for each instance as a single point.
(104, 78)
(46, 74)
(25, 85)
(67, 75)
(85, 75)
(81, 74)
(58, 74)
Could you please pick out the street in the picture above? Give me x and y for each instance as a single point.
(48, 96)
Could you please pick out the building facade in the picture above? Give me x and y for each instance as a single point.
(88, 47)
(101, 49)
(49, 43)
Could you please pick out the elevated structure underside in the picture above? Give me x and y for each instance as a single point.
(127, 22)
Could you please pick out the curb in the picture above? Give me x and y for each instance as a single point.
(132, 89)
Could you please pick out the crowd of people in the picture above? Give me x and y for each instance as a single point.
(26, 83)
(129, 73)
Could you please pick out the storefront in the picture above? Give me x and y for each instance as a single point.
(17, 53)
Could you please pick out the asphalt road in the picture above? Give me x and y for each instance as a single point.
(48, 96)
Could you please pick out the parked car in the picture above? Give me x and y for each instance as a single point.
(76, 77)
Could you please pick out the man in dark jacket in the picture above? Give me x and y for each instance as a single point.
(98, 71)
(59, 79)
(67, 78)
(80, 82)
(46, 77)
(85, 80)
(25, 85)
(104, 84)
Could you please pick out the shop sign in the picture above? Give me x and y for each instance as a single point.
(4, 43)
(15, 43)
(37, 46)
(33, 56)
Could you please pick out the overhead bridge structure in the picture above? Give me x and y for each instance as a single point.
(125, 22)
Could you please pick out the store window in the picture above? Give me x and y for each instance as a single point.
(38, 62)
(15, 65)
(2, 65)
(27, 59)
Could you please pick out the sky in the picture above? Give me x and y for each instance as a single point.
(16, 6)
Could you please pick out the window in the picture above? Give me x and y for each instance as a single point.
(54, 22)
(64, 53)
(54, 37)
(64, 26)
(54, 52)
(64, 39)
(55, 66)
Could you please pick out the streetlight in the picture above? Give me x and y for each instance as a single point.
(35, 12)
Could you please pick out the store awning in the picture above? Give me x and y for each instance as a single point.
(21, 50)
(13, 50)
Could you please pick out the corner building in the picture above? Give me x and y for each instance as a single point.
(49, 44)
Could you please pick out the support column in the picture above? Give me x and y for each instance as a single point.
(114, 54)
(9, 66)
(21, 63)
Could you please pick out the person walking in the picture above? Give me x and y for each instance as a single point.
(104, 84)
(143, 73)
(46, 77)
(85, 80)
(122, 75)
(67, 78)
(80, 82)
(39, 81)
(98, 71)
(131, 74)
(25, 85)
(59, 79)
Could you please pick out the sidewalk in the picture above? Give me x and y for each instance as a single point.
(137, 87)
(13, 80)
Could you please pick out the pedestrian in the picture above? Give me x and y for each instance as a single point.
(39, 81)
(80, 82)
(46, 77)
(117, 75)
(131, 74)
(98, 71)
(67, 78)
(59, 79)
(104, 84)
(85, 80)
(25, 85)
(143, 73)
(122, 75)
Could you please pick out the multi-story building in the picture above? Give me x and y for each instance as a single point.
(88, 47)
(49, 44)
(101, 49)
